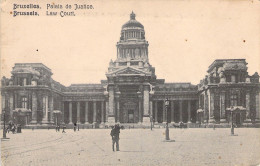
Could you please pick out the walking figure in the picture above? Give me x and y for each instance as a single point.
(75, 127)
(63, 129)
(115, 136)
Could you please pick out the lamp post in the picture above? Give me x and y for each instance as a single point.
(232, 125)
(167, 128)
(151, 119)
(4, 131)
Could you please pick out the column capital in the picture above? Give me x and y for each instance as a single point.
(146, 87)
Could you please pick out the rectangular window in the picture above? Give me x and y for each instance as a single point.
(233, 100)
(233, 78)
(24, 102)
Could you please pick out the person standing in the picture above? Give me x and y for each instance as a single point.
(75, 126)
(115, 132)
(63, 128)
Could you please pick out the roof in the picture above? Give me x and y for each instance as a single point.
(33, 65)
(220, 62)
(132, 22)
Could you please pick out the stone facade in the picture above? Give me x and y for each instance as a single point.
(131, 94)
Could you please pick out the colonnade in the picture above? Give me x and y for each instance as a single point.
(86, 110)
(172, 110)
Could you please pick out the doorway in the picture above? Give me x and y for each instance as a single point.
(130, 116)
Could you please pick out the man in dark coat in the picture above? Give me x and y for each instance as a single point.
(115, 136)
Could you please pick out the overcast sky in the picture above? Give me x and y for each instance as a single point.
(184, 37)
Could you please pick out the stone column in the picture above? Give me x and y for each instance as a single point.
(70, 112)
(146, 119)
(86, 112)
(11, 105)
(78, 112)
(155, 112)
(107, 110)
(151, 108)
(257, 101)
(211, 107)
(51, 109)
(180, 105)
(248, 118)
(15, 100)
(205, 114)
(189, 111)
(45, 109)
(102, 112)
(111, 112)
(140, 109)
(117, 110)
(94, 112)
(3, 103)
(34, 108)
(198, 106)
(172, 111)
(62, 110)
(222, 108)
(164, 112)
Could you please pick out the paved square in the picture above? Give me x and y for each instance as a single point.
(137, 147)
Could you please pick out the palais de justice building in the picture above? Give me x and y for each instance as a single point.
(132, 93)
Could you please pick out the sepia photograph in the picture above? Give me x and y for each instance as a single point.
(163, 82)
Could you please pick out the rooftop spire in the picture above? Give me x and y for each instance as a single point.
(132, 16)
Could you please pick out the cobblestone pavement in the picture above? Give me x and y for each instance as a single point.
(137, 147)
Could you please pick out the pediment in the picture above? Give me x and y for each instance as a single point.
(128, 71)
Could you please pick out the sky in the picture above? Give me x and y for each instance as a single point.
(184, 37)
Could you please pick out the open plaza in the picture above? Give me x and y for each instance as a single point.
(197, 146)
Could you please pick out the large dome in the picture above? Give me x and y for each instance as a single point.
(132, 22)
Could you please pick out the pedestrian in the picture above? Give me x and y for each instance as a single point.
(63, 128)
(58, 128)
(115, 136)
(75, 127)
(112, 133)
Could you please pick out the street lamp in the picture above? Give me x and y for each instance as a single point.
(4, 129)
(232, 125)
(4, 132)
(167, 128)
(151, 119)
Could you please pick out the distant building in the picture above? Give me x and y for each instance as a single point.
(132, 93)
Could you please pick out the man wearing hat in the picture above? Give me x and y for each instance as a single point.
(115, 136)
